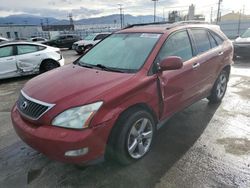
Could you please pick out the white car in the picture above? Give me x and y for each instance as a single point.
(83, 45)
(2, 39)
(25, 58)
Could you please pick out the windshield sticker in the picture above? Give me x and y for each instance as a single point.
(150, 35)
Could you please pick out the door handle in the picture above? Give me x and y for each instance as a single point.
(10, 59)
(220, 53)
(38, 54)
(196, 65)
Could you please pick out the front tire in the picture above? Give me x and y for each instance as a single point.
(48, 65)
(219, 88)
(133, 137)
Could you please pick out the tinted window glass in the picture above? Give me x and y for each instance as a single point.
(177, 44)
(218, 39)
(24, 49)
(6, 51)
(212, 41)
(201, 40)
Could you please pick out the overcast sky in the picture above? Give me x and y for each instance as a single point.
(95, 8)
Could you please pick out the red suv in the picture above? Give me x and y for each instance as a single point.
(111, 101)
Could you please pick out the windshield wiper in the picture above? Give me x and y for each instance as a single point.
(85, 65)
(103, 67)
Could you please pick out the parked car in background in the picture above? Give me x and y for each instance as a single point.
(63, 41)
(37, 39)
(123, 89)
(242, 45)
(2, 39)
(83, 45)
(25, 58)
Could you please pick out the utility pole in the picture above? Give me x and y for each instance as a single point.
(154, 9)
(163, 15)
(218, 13)
(121, 16)
(239, 23)
(211, 15)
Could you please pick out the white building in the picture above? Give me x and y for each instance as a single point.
(19, 31)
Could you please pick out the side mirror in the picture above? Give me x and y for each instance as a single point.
(171, 63)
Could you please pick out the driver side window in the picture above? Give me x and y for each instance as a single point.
(177, 44)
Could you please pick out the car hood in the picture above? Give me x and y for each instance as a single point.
(74, 84)
(242, 40)
(84, 42)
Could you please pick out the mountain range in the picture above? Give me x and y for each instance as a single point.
(110, 19)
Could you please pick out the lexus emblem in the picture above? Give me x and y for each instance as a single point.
(24, 105)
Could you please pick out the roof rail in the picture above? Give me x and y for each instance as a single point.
(186, 22)
(145, 24)
(168, 24)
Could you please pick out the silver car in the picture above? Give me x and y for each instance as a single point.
(242, 45)
(25, 58)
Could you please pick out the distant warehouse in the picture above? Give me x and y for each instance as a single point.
(15, 31)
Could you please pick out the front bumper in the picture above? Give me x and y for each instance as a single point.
(54, 142)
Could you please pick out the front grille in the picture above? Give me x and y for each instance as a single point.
(32, 108)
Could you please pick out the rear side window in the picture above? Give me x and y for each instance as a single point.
(41, 48)
(212, 40)
(25, 49)
(201, 40)
(6, 51)
(218, 39)
(177, 44)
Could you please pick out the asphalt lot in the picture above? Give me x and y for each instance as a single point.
(202, 146)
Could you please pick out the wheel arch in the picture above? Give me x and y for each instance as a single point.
(46, 60)
(113, 133)
(227, 68)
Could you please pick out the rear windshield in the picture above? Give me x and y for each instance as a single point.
(127, 51)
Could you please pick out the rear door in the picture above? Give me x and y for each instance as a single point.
(28, 57)
(208, 55)
(8, 66)
(178, 87)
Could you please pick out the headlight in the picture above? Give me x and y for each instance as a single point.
(77, 118)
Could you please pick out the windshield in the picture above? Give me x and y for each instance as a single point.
(126, 52)
(246, 34)
(90, 37)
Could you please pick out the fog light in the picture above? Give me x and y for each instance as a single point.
(75, 153)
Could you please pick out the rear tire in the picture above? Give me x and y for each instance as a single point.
(132, 136)
(219, 88)
(48, 65)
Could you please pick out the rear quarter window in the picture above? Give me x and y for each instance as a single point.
(218, 39)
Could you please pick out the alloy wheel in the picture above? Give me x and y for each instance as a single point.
(140, 138)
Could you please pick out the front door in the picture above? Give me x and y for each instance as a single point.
(178, 87)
